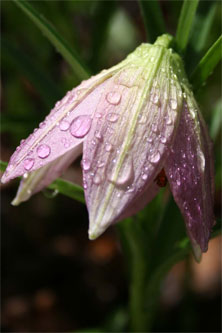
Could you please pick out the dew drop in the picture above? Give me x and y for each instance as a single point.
(125, 176)
(150, 140)
(98, 115)
(64, 125)
(86, 164)
(173, 104)
(100, 164)
(28, 164)
(113, 97)
(25, 176)
(169, 121)
(192, 113)
(42, 124)
(155, 158)
(98, 135)
(163, 139)
(154, 128)
(108, 146)
(144, 176)
(43, 151)
(80, 126)
(155, 98)
(178, 182)
(97, 180)
(112, 117)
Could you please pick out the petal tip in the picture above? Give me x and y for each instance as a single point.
(197, 251)
(15, 202)
(95, 231)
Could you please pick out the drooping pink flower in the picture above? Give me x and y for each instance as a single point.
(130, 122)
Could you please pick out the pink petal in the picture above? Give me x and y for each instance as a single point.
(190, 173)
(62, 130)
(37, 180)
(127, 145)
(141, 201)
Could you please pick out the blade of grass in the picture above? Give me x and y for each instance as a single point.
(46, 87)
(207, 64)
(3, 165)
(202, 26)
(187, 15)
(216, 121)
(69, 189)
(68, 53)
(153, 19)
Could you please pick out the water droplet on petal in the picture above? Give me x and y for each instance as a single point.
(97, 180)
(192, 113)
(125, 175)
(86, 164)
(144, 176)
(155, 98)
(43, 151)
(28, 164)
(42, 124)
(178, 182)
(113, 97)
(163, 139)
(112, 117)
(108, 146)
(150, 140)
(154, 128)
(169, 121)
(98, 135)
(25, 176)
(64, 125)
(155, 158)
(100, 164)
(173, 104)
(80, 126)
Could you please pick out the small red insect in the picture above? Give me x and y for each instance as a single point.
(161, 179)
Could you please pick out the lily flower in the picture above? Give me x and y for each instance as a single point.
(136, 124)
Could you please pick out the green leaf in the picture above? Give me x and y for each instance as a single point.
(185, 23)
(207, 64)
(153, 19)
(55, 38)
(69, 189)
(216, 122)
(3, 165)
(46, 87)
(202, 26)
